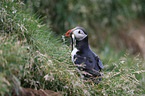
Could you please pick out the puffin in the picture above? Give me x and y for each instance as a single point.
(88, 64)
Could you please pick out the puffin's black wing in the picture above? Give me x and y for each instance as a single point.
(99, 62)
(90, 66)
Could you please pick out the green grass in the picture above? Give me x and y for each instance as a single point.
(31, 56)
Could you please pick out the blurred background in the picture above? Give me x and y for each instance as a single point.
(116, 25)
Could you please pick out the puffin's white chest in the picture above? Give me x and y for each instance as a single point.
(75, 50)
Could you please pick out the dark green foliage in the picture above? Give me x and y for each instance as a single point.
(102, 19)
(64, 14)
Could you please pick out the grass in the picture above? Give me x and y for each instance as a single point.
(33, 57)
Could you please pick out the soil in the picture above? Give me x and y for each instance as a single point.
(32, 92)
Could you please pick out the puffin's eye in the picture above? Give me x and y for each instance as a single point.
(79, 32)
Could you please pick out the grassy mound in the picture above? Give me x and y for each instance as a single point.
(31, 56)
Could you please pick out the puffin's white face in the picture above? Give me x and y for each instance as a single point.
(79, 34)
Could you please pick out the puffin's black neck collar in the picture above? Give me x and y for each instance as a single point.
(83, 44)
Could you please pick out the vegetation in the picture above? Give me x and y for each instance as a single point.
(31, 56)
(102, 19)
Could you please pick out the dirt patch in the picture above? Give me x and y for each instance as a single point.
(138, 36)
(32, 92)
(132, 38)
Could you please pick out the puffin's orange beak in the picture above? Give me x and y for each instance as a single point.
(68, 33)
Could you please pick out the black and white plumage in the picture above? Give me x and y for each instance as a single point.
(88, 63)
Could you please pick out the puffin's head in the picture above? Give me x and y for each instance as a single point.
(78, 32)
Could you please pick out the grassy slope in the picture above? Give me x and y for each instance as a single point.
(32, 57)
